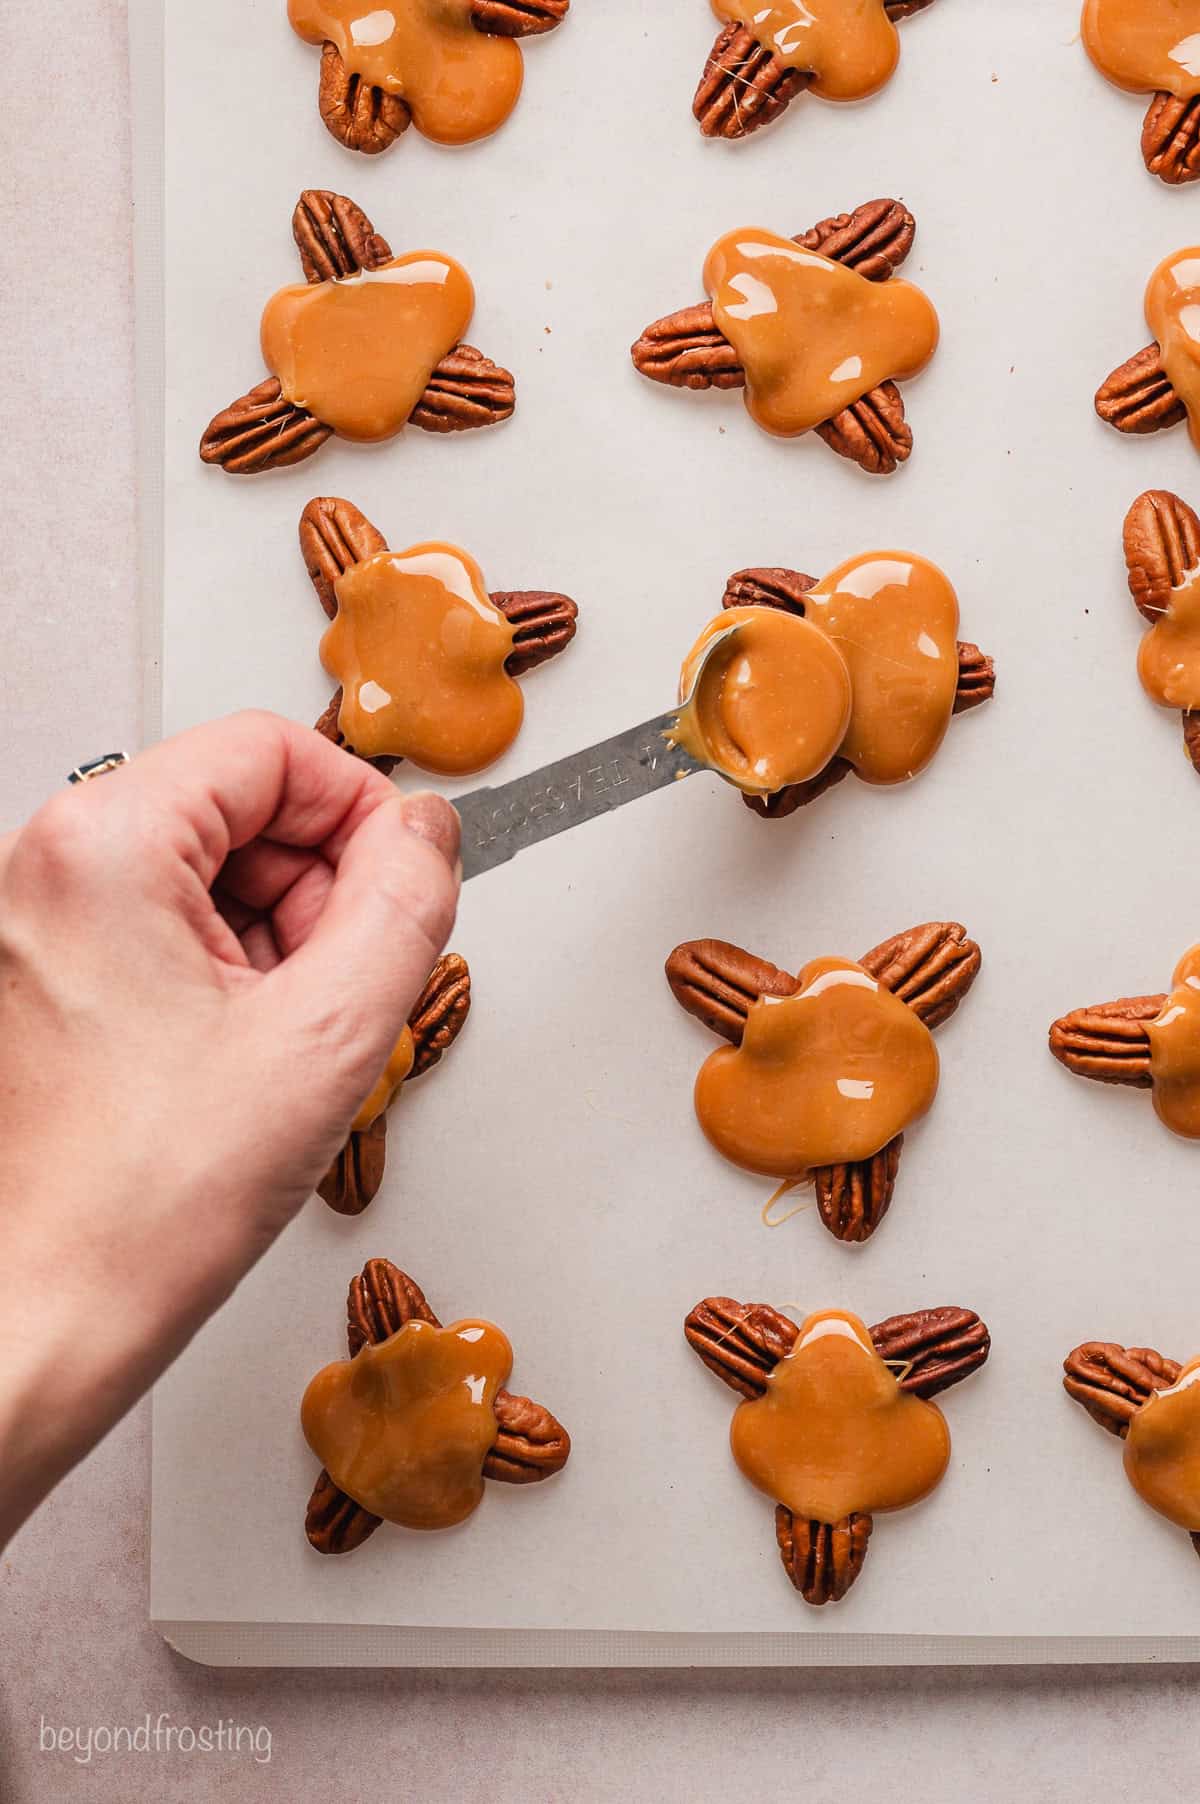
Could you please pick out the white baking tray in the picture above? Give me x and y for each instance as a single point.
(551, 1175)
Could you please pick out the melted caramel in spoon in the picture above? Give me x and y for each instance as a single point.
(358, 353)
(812, 335)
(825, 1077)
(834, 1433)
(773, 701)
(420, 649)
(850, 47)
(459, 83)
(1145, 45)
(405, 1427)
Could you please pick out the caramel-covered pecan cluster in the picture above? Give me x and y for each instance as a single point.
(530, 1443)
(263, 430)
(744, 1343)
(686, 349)
(436, 1021)
(930, 967)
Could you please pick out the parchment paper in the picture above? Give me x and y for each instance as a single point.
(551, 1175)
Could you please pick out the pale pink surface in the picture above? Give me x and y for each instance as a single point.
(77, 1648)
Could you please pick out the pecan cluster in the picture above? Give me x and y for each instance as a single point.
(1162, 547)
(745, 86)
(930, 967)
(1113, 1382)
(686, 350)
(785, 589)
(744, 1342)
(262, 430)
(334, 534)
(530, 1445)
(437, 1019)
(369, 119)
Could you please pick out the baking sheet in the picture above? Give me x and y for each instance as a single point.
(551, 1175)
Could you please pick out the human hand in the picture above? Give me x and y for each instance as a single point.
(205, 960)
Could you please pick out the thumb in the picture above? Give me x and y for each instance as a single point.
(388, 914)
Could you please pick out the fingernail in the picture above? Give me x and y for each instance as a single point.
(432, 818)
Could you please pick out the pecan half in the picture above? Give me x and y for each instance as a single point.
(686, 350)
(784, 802)
(530, 1445)
(1161, 537)
(261, 431)
(853, 1199)
(545, 624)
(353, 1179)
(871, 432)
(939, 1346)
(381, 1301)
(440, 1012)
(333, 535)
(1113, 1382)
(742, 1343)
(334, 236)
(360, 116)
(744, 86)
(822, 1559)
(518, 18)
(768, 587)
(333, 1522)
(1108, 1042)
(466, 390)
(1139, 397)
(717, 983)
(874, 239)
(930, 967)
(976, 678)
(1171, 139)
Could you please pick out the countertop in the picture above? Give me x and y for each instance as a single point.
(73, 1587)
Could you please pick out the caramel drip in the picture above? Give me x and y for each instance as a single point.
(894, 618)
(850, 47)
(1169, 655)
(1173, 316)
(358, 353)
(825, 1077)
(833, 1432)
(1145, 46)
(772, 703)
(405, 1426)
(400, 1063)
(1162, 1450)
(459, 83)
(420, 650)
(812, 335)
(1175, 1051)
